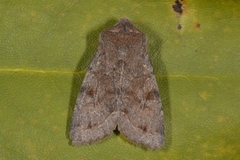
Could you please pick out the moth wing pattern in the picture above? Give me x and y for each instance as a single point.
(142, 121)
(94, 117)
(119, 90)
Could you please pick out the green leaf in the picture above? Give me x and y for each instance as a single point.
(46, 47)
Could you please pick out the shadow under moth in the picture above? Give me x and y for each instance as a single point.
(119, 90)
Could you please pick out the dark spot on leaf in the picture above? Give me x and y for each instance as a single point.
(179, 27)
(198, 25)
(177, 7)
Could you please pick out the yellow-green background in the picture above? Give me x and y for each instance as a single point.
(46, 46)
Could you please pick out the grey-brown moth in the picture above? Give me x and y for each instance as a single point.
(119, 90)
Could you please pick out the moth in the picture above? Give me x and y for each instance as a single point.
(119, 90)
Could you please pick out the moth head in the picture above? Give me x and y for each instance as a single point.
(124, 25)
(123, 35)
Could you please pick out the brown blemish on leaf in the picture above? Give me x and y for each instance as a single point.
(179, 26)
(177, 7)
(197, 25)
